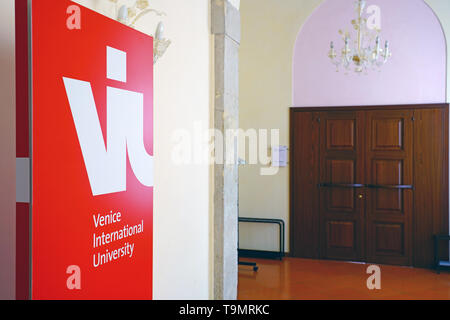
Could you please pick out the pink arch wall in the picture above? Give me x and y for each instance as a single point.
(415, 74)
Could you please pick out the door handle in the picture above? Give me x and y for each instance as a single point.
(341, 185)
(390, 186)
(370, 186)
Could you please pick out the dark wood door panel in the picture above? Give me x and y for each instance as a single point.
(341, 166)
(341, 171)
(389, 239)
(341, 237)
(389, 243)
(387, 133)
(387, 172)
(304, 230)
(431, 183)
(341, 134)
(388, 200)
(389, 160)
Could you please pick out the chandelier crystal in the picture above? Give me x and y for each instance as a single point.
(358, 52)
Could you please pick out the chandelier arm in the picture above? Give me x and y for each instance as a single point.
(143, 13)
(359, 26)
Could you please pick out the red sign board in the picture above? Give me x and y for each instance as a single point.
(92, 155)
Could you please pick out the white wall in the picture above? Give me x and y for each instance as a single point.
(181, 258)
(182, 97)
(8, 152)
(235, 3)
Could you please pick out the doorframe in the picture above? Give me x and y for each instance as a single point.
(224, 195)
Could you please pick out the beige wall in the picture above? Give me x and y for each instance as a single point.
(8, 152)
(269, 31)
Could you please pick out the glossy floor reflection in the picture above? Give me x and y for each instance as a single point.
(299, 279)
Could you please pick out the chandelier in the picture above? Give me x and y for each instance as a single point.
(130, 15)
(358, 52)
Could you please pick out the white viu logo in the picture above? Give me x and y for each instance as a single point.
(106, 165)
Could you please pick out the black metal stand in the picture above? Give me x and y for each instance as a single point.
(243, 263)
(437, 259)
(279, 222)
(250, 264)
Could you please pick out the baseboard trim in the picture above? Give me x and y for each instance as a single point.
(245, 253)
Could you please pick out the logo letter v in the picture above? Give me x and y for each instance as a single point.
(106, 167)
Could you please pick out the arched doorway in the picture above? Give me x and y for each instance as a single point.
(413, 77)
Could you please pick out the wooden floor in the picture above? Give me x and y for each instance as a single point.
(301, 279)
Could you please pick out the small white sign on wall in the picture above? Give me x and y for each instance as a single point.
(279, 156)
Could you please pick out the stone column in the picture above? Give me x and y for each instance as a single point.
(226, 29)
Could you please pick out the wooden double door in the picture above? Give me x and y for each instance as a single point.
(353, 186)
(366, 185)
